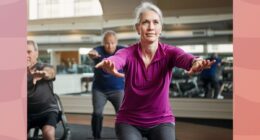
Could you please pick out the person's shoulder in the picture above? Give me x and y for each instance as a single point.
(128, 50)
(167, 47)
(120, 47)
(165, 44)
(132, 47)
(98, 48)
(40, 66)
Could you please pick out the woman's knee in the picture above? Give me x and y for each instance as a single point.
(164, 131)
(127, 132)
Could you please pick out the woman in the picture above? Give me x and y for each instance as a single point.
(148, 64)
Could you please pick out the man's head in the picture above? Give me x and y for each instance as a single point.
(32, 53)
(110, 42)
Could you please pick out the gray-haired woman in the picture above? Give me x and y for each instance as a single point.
(148, 64)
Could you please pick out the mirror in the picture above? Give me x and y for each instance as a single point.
(79, 74)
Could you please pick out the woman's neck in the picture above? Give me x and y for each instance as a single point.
(149, 49)
(148, 52)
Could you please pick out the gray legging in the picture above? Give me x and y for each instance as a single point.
(99, 99)
(164, 131)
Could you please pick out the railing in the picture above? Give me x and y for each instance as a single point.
(182, 107)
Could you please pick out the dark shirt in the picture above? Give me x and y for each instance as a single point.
(104, 81)
(41, 99)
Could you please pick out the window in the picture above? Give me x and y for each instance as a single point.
(41, 9)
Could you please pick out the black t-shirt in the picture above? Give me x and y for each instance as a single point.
(41, 99)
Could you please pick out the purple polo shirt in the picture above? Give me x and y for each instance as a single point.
(146, 100)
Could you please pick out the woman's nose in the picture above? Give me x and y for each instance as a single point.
(151, 26)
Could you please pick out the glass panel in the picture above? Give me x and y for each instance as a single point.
(44, 57)
(219, 77)
(88, 7)
(192, 48)
(40, 9)
(220, 48)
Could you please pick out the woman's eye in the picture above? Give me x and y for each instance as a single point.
(145, 22)
(156, 22)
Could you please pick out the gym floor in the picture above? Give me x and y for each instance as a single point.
(186, 129)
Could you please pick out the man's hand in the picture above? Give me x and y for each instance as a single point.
(109, 66)
(199, 65)
(38, 75)
(47, 73)
(93, 54)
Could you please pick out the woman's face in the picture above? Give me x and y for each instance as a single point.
(149, 28)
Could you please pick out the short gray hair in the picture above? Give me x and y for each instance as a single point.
(31, 42)
(109, 32)
(144, 6)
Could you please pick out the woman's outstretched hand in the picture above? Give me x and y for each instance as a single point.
(199, 65)
(109, 66)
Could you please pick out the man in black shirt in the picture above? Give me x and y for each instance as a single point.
(42, 105)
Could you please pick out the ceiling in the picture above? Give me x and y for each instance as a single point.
(120, 9)
(198, 21)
